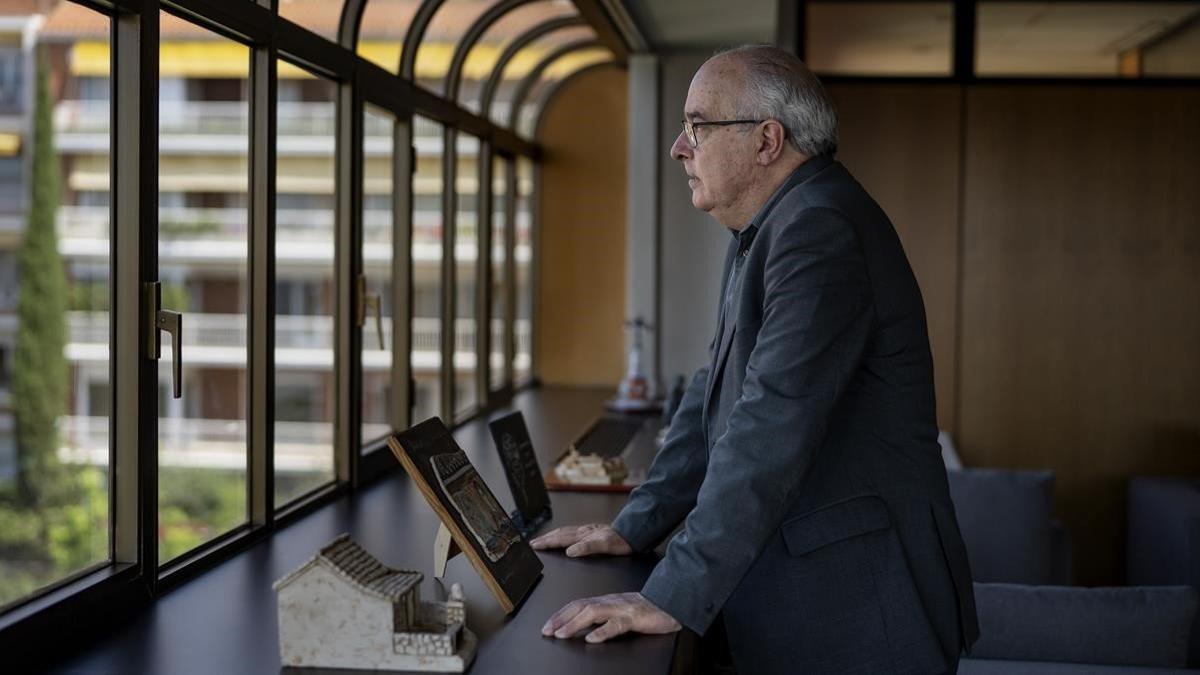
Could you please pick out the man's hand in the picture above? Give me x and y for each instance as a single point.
(581, 540)
(617, 614)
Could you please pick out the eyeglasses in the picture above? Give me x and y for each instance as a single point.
(689, 128)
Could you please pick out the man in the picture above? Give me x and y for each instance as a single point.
(803, 460)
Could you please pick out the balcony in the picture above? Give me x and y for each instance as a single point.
(302, 342)
(231, 119)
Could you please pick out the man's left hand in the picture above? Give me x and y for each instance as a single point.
(616, 614)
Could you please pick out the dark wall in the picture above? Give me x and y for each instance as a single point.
(1055, 232)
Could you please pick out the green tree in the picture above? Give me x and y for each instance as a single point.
(39, 377)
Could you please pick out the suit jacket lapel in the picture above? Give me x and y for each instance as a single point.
(729, 327)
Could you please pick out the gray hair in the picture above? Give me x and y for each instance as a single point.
(779, 86)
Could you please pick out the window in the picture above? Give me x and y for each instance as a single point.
(484, 57)
(466, 263)
(523, 282)
(242, 222)
(498, 311)
(381, 35)
(203, 264)
(1088, 39)
(54, 336)
(426, 357)
(377, 247)
(556, 69)
(304, 248)
(880, 38)
(450, 21)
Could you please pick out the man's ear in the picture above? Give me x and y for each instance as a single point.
(771, 141)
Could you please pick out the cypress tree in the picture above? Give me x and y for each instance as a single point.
(39, 377)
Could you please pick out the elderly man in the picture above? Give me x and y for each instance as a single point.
(803, 460)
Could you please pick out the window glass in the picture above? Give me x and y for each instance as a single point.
(466, 257)
(381, 33)
(525, 61)
(557, 71)
(319, 16)
(1088, 39)
(484, 55)
(304, 292)
(523, 258)
(426, 357)
(203, 259)
(498, 312)
(880, 38)
(447, 26)
(378, 222)
(54, 310)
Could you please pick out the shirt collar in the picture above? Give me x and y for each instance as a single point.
(802, 173)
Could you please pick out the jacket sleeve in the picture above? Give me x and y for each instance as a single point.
(817, 314)
(669, 492)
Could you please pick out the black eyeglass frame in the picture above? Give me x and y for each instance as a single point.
(689, 128)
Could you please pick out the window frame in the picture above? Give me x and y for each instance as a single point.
(133, 577)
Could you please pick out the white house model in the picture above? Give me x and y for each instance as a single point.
(345, 609)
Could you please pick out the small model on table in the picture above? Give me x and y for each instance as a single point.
(345, 609)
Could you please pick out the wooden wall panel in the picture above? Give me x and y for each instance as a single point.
(902, 143)
(1081, 295)
(581, 293)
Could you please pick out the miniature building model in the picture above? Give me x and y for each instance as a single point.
(345, 609)
(588, 469)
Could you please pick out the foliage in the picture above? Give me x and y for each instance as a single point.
(39, 379)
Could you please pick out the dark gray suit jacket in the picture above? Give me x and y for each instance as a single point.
(803, 460)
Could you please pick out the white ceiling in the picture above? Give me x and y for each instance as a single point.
(703, 24)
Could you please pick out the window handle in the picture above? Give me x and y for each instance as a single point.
(159, 320)
(366, 301)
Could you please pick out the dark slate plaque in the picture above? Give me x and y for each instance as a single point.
(521, 469)
(469, 510)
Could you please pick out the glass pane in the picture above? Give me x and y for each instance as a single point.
(466, 256)
(880, 38)
(304, 284)
(562, 68)
(319, 16)
(523, 257)
(1088, 39)
(377, 268)
(499, 259)
(482, 58)
(525, 61)
(54, 326)
(426, 355)
(445, 29)
(203, 241)
(382, 31)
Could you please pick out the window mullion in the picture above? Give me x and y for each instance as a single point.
(403, 167)
(483, 275)
(347, 246)
(449, 267)
(261, 363)
(135, 264)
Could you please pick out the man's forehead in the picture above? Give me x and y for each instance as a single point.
(713, 90)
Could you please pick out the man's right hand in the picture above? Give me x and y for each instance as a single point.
(581, 540)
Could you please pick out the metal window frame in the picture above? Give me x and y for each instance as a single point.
(467, 42)
(535, 74)
(524, 40)
(134, 577)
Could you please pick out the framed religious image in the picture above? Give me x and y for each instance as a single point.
(468, 510)
(521, 469)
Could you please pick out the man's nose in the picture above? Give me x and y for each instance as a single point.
(680, 150)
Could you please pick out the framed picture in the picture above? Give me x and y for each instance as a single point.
(469, 511)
